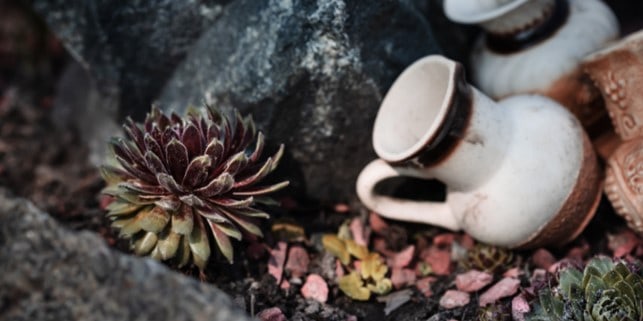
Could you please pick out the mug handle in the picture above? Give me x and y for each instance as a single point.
(434, 213)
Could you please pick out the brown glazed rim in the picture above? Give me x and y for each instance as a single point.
(452, 129)
(533, 34)
(577, 210)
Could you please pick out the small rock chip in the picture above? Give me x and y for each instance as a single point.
(315, 288)
(622, 243)
(358, 232)
(543, 259)
(402, 277)
(454, 298)
(298, 261)
(378, 225)
(401, 259)
(438, 259)
(519, 307)
(395, 300)
(271, 314)
(473, 280)
(504, 288)
(285, 285)
(424, 285)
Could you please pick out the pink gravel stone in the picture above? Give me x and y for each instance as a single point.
(473, 280)
(454, 298)
(403, 258)
(298, 261)
(315, 288)
(504, 288)
(378, 225)
(622, 243)
(543, 259)
(438, 259)
(357, 230)
(271, 314)
(424, 285)
(519, 307)
(402, 277)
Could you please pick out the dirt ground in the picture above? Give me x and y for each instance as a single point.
(49, 165)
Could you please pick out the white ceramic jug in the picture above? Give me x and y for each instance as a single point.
(535, 46)
(519, 173)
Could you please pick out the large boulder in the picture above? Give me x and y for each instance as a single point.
(312, 73)
(130, 47)
(51, 273)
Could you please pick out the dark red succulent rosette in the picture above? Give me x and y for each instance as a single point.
(178, 180)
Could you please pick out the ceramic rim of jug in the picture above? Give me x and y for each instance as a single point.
(464, 11)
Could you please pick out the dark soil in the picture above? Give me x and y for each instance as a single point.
(49, 165)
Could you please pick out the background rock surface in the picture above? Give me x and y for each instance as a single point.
(312, 73)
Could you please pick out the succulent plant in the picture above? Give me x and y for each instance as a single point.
(369, 278)
(181, 184)
(604, 291)
(488, 258)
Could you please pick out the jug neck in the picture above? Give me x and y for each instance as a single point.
(478, 147)
(525, 26)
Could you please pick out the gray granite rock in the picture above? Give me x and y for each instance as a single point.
(130, 47)
(312, 73)
(50, 273)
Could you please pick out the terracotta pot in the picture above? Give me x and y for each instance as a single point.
(519, 173)
(617, 72)
(624, 182)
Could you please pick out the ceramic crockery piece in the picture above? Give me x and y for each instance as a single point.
(624, 182)
(617, 71)
(536, 46)
(519, 173)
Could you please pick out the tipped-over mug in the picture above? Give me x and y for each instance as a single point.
(520, 173)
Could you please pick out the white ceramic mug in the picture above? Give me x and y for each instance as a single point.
(520, 173)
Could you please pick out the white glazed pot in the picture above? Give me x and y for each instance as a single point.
(536, 46)
(520, 173)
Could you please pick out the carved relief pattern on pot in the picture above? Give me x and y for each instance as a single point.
(624, 182)
(633, 169)
(614, 92)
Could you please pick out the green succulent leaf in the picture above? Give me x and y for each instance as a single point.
(261, 190)
(183, 221)
(607, 291)
(168, 244)
(144, 244)
(199, 244)
(569, 278)
(118, 207)
(223, 241)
